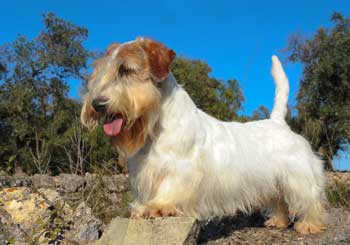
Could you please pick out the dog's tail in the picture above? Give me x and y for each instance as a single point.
(279, 110)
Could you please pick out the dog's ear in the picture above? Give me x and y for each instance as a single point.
(159, 56)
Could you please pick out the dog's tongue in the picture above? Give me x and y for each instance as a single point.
(113, 128)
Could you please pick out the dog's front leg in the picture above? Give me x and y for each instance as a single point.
(171, 195)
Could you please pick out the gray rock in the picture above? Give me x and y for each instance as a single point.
(71, 182)
(89, 181)
(5, 232)
(43, 181)
(18, 180)
(85, 227)
(116, 183)
(172, 230)
(10, 232)
(22, 180)
(6, 181)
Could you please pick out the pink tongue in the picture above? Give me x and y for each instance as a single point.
(113, 128)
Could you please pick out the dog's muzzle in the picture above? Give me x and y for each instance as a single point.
(99, 104)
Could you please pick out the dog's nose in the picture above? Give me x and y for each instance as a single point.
(99, 104)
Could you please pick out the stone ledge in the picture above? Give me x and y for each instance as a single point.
(172, 230)
(66, 183)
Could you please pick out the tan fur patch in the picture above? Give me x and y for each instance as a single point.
(279, 217)
(159, 58)
(160, 210)
(306, 228)
(132, 139)
(130, 91)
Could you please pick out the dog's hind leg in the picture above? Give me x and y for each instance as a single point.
(303, 197)
(311, 220)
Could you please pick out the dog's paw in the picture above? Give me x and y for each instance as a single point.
(278, 222)
(135, 214)
(159, 210)
(308, 228)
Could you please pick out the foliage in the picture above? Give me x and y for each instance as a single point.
(39, 124)
(221, 99)
(37, 118)
(323, 101)
(262, 112)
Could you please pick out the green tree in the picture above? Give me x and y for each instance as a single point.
(323, 100)
(262, 112)
(34, 108)
(39, 123)
(221, 99)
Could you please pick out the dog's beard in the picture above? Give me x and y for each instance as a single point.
(132, 110)
(130, 140)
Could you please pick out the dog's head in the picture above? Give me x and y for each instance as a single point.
(123, 91)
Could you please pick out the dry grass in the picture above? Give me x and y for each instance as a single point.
(106, 205)
(338, 194)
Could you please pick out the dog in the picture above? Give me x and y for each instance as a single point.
(182, 161)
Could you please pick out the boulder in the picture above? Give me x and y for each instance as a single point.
(116, 183)
(10, 233)
(71, 183)
(43, 181)
(6, 181)
(85, 227)
(28, 216)
(90, 181)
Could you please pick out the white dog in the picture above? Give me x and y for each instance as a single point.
(182, 161)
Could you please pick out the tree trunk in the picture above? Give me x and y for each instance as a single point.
(327, 160)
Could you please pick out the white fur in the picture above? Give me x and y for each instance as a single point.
(282, 90)
(116, 51)
(206, 167)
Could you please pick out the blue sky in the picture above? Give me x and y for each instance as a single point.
(236, 38)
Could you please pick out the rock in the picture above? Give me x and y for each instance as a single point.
(71, 182)
(22, 180)
(42, 181)
(57, 181)
(6, 181)
(33, 214)
(10, 232)
(85, 226)
(172, 230)
(16, 200)
(116, 183)
(51, 196)
(90, 181)
(25, 207)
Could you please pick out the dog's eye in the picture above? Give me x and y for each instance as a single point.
(125, 71)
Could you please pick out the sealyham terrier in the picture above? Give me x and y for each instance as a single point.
(183, 161)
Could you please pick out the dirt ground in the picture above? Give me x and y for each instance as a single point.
(250, 230)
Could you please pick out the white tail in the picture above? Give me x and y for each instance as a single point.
(279, 110)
